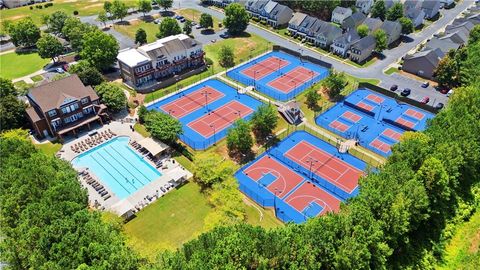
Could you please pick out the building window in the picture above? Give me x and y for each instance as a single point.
(87, 110)
(65, 110)
(52, 113)
(84, 101)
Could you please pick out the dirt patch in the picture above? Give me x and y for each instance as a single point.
(93, 6)
(17, 17)
(474, 246)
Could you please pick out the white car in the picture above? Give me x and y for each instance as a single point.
(59, 70)
(450, 92)
(157, 21)
(198, 26)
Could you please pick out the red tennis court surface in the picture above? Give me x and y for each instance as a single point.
(364, 106)
(264, 68)
(192, 101)
(339, 126)
(392, 134)
(351, 116)
(286, 179)
(220, 118)
(307, 193)
(404, 122)
(327, 166)
(384, 147)
(415, 114)
(293, 79)
(375, 98)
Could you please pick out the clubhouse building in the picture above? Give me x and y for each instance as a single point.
(159, 61)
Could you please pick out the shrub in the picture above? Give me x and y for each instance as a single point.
(75, 13)
(208, 61)
(31, 7)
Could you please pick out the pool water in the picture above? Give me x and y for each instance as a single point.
(118, 166)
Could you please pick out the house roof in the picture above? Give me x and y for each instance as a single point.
(168, 46)
(432, 56)
(467, 25)
(390, 26)
(308, 22)
(330, 31)
(348, 37)
(413, 13)
(456, 37)
(356, 18)
(444, 44)
(364, 43)
(373, 23)
(341, 10)
(132, 57)
(33, 115)
(280, 9)
(298, 18)
(270, 6)
(52, 95)
(429, 4)
(389, 3)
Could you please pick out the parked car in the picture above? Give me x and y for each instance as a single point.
(439, 106)
(59, 70)
(194, 23)
(224, 35)
(66, 67)
(198, 26)
(178, 17)
(157, 21)
(182, 20)
(450, 92)
(406, 92)
(425, 84)
(444, 90)
(425, 100)
(394, 87)
(214, 40)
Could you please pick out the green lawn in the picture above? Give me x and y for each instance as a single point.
(463, 250)
(37, 78)
(49, 148)
(84, 8)
(391, 70)
(268, 221)
(15, 65)
(141, 129)
(170, 221)
(194, 16)
(130, 29)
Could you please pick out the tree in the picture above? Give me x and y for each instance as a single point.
(334, 83)
(119, 9)
(226, 56)
(211, 168)
(236, 19)
(24, 33)
(379, 10)
(407, 25)
(165, 4)
(264, 121)
(142, 112)
(168, 27)
(107, 6)
(100, 50)
(187, 27)
(206, 20)
(57, 21)
(103, 18)
(112, 96)
(446, 72)
(362, 30)
(88, 74)
(312, 98)
(45, 19)
(239, 139)
(49, 47)
(395, 12)
(474, 35)
(144, 6)
(163, 126)
(140, 36)
(12, 110)
(74, 31)
(380, 39)
(468, 63)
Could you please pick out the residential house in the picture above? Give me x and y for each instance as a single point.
(326, 35)
(255, 7)
(342, 44)
(416, 15)
(390, 3)
(445, 44)
(446, 3)
(64, 106)
(306, 26)
(353, 21)
(279, 15)
(423, 63)
(393, 31)
(340, 13)
(295, 22)
(364, 5)
(163, 58)
(465, 26)
(315, 29)
(362, 49)
(431, 8)
(412, 4)
(373, 24)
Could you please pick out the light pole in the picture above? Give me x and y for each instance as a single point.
(214, 133)
(255, 79)
(275, 199)
(206, 93)
(311, 161)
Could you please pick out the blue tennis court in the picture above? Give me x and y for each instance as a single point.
(375, 120)
(206, 111)
(278, 74)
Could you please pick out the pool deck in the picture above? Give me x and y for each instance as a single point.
(137, 200)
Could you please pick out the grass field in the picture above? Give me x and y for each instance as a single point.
(268, 221)
(194, 16)
(463, 251)
(15, 65)
(130, 29)
(37, 78)
(166, 224)
(391, 70)
(49, 148)
(84, 8)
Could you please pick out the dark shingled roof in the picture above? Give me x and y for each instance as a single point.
(51, 95)
(364, 43)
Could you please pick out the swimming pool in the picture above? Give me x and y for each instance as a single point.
(118, 166)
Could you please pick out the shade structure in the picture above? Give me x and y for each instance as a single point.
(153, 146)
